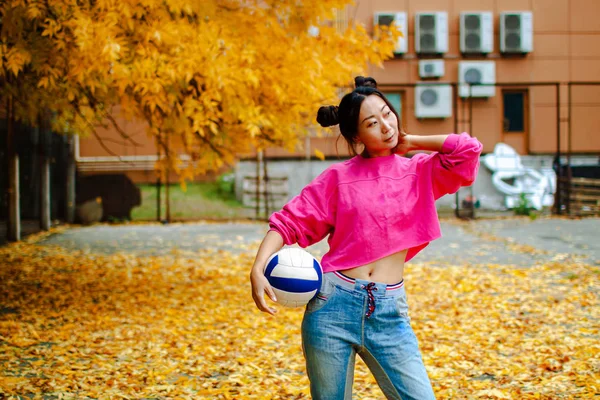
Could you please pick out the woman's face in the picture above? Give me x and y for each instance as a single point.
(377, 127)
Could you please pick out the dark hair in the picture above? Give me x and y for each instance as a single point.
(347, 113)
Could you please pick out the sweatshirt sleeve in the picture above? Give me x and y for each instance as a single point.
(307, 218)
(454, 166)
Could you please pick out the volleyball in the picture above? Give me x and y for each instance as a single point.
(295, 276)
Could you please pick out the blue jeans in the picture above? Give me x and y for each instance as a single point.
(351, 316)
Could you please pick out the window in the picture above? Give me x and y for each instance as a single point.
(396, 100)
(514, 111)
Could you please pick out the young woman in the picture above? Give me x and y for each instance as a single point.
(378, 209)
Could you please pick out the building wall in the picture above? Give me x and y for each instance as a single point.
(566, 47)
(108, 152)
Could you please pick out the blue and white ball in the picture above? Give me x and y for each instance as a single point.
(295, 276)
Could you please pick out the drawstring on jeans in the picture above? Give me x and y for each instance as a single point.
(371, 303)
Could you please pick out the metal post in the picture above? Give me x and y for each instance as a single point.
(307, 155)
(70, 203)
(259, 157)
(470, 109)
(158, 182)
(455, 106)
(455, 113)
(558, 197)
(470, 188)
(266, 176)
(569, 144)
(168, 179)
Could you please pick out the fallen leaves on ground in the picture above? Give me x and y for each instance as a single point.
(79, 325)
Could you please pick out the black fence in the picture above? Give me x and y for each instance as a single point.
(31, 146)
(566, 125)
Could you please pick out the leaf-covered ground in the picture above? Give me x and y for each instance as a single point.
(78, 325)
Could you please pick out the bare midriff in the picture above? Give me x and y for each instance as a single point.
(388, 270)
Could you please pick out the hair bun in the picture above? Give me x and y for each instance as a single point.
(328, 116)
(365, 82)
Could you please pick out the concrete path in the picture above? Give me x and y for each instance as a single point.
(517, 241)
(521, 241)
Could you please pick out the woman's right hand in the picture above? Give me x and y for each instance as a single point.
(404, 145)
(260, 285)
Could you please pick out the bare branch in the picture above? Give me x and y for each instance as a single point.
(109, 151)
(113, 141)
(121, 131)
(92, 128)
(107, 115)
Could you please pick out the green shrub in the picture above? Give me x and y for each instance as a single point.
(524, 207)
(226, 183)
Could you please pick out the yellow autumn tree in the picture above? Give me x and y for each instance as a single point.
(214, 77)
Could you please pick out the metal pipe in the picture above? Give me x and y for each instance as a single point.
(470, 189)
(158, 183)
(558, 167)
(168, 178)
(455, 112)
(266, 176)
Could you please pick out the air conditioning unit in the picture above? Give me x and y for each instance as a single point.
(473, 73)
(431, 68)
(433, 101)
(476, 32)
(516, 32)
(431, 32)
(400, 20)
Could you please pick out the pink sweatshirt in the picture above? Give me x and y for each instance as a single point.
(374, 207)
